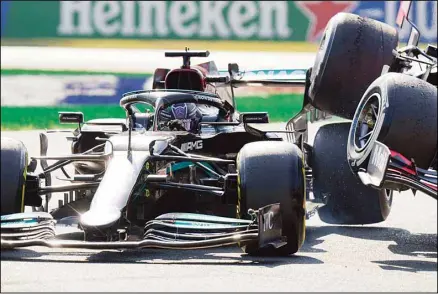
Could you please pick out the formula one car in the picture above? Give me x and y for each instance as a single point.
(392, 142)
(193, 173)
(197, 173)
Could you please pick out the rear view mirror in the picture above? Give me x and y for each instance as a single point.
(157, 147)
(159, 77)
(71, 117)
(233, 69)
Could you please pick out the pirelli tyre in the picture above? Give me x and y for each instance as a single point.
(272, 172)
(399, 111)
(351, 55)
(13, 175)
(347, 200)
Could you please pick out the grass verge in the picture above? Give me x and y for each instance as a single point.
(280, 108)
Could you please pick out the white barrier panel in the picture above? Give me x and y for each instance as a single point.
(44, 90)
(139, 60)
(68, 86)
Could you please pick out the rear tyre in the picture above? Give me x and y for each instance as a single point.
(348, 201)
(352, 53)
(272, 172)
(13, 175)
(399, 111)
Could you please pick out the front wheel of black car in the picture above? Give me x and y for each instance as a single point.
(13, 175)
(272, 172)
(399, 111)
(347, 200)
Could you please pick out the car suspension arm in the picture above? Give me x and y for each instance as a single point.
(190, 187)
(77, 157)
(62, 163)
(66, 188)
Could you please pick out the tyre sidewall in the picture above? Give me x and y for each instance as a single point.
(18, 168)
(406, 120)
(322, 57)
(292, 202)
(352, 54)
(347, 200)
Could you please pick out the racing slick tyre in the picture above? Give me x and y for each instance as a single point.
(268, 173)
(13, 175)
(399, 111)
(352, 53)
(347, 200)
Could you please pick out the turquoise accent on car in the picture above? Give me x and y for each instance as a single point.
(185, 164)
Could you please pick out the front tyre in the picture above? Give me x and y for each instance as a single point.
(347, 200)
(399, 111)
(272, 172)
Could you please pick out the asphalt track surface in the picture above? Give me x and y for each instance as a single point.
(399, 254)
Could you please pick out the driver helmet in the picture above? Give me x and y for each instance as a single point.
(187, 114)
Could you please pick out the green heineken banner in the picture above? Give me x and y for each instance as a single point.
(196, 20)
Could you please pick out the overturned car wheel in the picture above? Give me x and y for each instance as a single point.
(347, 200)
(352, 53)
(272, 172)
(399, 111)
(13, 175)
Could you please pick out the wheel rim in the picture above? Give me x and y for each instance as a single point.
(366, 122)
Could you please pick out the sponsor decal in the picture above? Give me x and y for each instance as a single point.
(175, 19)
(204, 97)
(379, 158)
(179, 111)
(199, 20)
(377, 164)
(189, 146)
(268, 224)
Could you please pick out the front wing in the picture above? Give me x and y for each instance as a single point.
(389, 169)
(168, 231)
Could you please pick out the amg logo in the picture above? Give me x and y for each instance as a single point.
(191, 146)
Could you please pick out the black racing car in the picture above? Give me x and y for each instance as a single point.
(393, 136)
